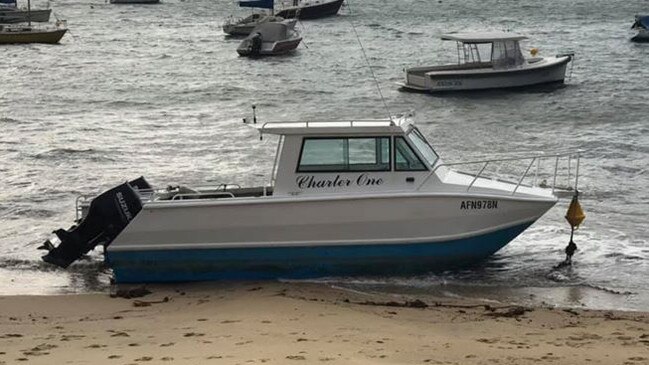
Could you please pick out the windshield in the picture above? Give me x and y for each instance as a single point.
(422, 146)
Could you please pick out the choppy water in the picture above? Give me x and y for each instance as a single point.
(159, 91)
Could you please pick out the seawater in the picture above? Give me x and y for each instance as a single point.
(159, 91)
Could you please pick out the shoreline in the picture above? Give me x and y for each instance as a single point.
(276, 323)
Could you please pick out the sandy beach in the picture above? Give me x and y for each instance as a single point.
(280, 323)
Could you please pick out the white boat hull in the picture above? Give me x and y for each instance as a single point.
(274, 237)
(550, 70)
(271, 48)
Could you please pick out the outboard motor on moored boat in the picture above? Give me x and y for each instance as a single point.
(108, 214)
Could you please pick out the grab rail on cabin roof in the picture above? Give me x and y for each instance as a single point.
(329, 123)
(569, 156)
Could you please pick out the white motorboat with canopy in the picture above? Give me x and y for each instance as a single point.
(354, 197)
(487, 61)
(270, 39)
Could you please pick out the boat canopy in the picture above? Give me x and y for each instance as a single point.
(264, 4)
(482, 37)
(8, 3)
(641, 21)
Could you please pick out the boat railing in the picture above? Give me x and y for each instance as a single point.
(534, 165)
(82, 202)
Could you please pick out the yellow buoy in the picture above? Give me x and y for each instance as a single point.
(534, 51)
(575, 215)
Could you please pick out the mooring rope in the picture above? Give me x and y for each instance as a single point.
(376, 81)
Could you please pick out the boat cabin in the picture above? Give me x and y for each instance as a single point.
(349, 156)
(497, 50)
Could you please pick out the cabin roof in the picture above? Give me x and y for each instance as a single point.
(397, 125)
(482, 37)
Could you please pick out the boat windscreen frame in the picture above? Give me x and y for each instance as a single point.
(510, 54)
(274, 171)
(414, 145)
(472, 49)
(347, 138)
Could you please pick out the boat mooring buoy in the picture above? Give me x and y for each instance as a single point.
(575, 216)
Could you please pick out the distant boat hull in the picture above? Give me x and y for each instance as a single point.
(23, 16)
(423, 79)
(40, 36)
(245, 28)
(135, 1)
(317, 9)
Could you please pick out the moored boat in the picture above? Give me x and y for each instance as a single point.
(641, 24)
(243, 26)
(12, 15)
(270, 39)
(20, 34)
(345, 198)
(17, 33)
(487, 61)
(309, 9)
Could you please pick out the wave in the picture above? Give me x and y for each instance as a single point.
(57, 154)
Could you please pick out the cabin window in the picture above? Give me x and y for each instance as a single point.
(405, 158)
(506, 54)
(345, 154)
(422, 145)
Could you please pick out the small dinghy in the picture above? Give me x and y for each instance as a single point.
(487, 61)
(354, 197)
(641, 24)
(270, 39)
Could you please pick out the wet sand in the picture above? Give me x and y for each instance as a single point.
(283, 323)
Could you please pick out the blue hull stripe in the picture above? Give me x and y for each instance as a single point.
(303, 262)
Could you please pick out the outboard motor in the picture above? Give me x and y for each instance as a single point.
(108, 215)
(255, 44)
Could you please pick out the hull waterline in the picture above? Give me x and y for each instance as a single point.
(304, 262)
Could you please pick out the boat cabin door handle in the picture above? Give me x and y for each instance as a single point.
(410, 179)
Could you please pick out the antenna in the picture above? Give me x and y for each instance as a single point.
(378, 87)
(254, 115)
